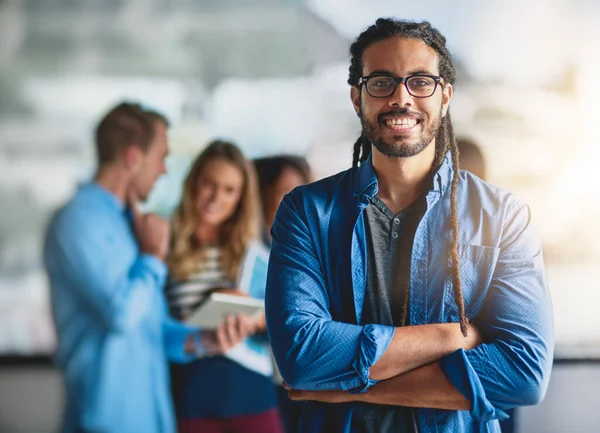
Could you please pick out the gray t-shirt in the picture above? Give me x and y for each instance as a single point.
(389, 247)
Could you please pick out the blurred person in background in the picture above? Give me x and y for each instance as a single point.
(407, 292)
(471, 157)
(277, 176)
(472, 160)
(105, 263)
(216, 233)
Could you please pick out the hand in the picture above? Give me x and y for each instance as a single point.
(259, 321)
(322, 396)
(228, 334)
(152, 232)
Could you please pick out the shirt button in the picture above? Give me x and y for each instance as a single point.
(396, 221)
(394, 235)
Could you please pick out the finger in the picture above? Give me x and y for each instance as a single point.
(232, 333)
(133, 204)
(260, 322)
(222, 339)
(241, 326)
(286, 386)
(246, 327)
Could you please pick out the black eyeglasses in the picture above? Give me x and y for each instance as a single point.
(383, 86)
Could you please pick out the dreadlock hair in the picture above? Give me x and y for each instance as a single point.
(385, 28)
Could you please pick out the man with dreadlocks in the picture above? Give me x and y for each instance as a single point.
(406, 291)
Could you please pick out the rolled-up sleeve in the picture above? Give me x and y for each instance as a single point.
(313, 352)
(513, 367)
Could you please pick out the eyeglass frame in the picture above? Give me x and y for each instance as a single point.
(397, 80)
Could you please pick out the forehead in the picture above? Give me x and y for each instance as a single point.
(221, 170)
(400, 56)
(289, 176)
(159, 141)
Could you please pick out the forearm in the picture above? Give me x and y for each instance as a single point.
(424, 387)
(415, 346)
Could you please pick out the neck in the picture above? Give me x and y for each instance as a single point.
(208, 234)
(402, 180)
(113, 178)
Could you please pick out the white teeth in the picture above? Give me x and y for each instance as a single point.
(404, 122)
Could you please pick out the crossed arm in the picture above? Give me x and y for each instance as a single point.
(407, 372)
(424, 387)
(407, 375)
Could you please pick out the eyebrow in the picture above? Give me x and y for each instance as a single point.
(414, 72)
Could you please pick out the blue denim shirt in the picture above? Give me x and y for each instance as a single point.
(110, 314)
(316, 288)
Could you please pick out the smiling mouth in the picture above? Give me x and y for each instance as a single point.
(401, 123)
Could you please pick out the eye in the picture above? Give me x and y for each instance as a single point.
(381, 82)
(421, 82)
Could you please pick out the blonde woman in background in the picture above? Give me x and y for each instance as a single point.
(216, 224)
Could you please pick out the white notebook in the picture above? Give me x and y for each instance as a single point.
(218, 306)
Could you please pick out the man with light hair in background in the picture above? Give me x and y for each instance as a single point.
(105, 264)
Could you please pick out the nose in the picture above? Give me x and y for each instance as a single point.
(213, 195)
(401, 97)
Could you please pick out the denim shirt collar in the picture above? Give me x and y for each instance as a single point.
(365, 181)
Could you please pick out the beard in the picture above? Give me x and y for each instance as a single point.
(402, 146)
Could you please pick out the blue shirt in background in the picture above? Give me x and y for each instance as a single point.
(316, 292)
(114, 331)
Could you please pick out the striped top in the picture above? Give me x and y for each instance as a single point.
(185, 296)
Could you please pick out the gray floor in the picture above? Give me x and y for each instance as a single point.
(31, 399)
(572, 403)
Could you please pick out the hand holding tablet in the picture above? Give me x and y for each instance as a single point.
(218, 306)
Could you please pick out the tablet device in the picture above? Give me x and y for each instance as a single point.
(216, 307)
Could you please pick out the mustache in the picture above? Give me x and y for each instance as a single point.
(398, 112)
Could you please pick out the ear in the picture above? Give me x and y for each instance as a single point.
(355, 97)
(132, 157)
(446, 97)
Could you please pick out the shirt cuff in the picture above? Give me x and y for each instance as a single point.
(374, 341)
(157, 267)
(176, 335)
(461, 373)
